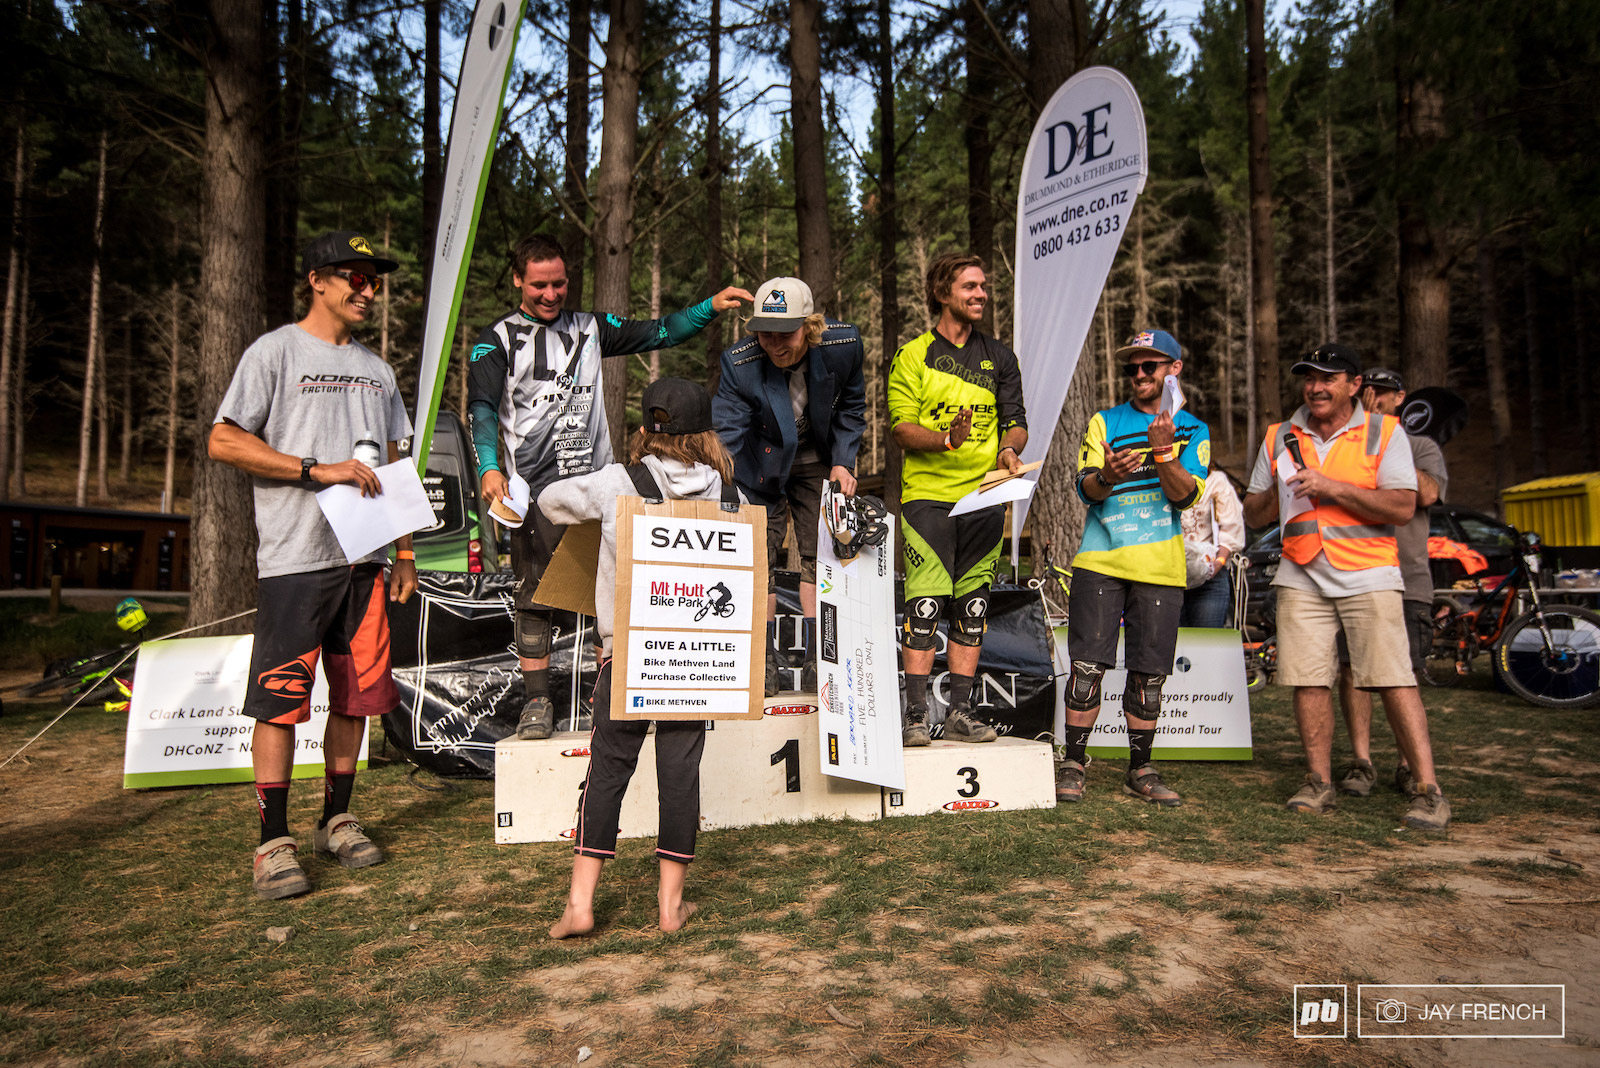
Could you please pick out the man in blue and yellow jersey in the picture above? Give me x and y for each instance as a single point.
(955, 403)
(1138, 468)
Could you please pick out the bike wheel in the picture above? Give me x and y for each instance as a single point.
(1567, 674)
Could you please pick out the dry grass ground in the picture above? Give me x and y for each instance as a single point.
(1104, 934)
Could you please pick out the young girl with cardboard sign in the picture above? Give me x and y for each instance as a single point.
(676, 455)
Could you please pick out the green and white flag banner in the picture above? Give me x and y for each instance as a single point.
(474, 128)
(1086, 164)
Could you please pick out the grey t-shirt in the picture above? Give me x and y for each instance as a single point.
(1395, 471)
(306, 397)
(1412, 538)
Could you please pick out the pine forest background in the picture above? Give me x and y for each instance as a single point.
(1427, 189)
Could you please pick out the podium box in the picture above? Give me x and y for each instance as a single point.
(963, 777)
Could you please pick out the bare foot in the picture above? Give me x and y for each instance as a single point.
(572, 924)
(672, 923)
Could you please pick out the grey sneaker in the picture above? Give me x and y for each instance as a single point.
(774, 683)
(1069, 781)
(277, 870)
(1429, 810)
(960, 725)
(538, 719)
(1145, 783)
(1315, 796)
(1356, 778)
(344, 839)
(808, 677)
(914, 731)
(1404, 781)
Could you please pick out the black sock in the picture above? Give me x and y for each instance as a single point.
(272, 798)
(808, 635)
(336, 794)
(960, 689)
(536, 683)
(1074, 741)
(916, 695)
(1139, 745)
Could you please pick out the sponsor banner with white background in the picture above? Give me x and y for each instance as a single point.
(676, 540)
(185, 726)
(669, 659)
(1085, 165)
(1205, 705)
(858, 682)
(710, 598)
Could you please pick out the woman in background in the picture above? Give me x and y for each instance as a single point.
(1213, 531)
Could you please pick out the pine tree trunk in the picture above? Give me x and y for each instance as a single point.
(1265, 304)
(91, 358)
(383, 326)
(127, 402)
(1225, 365)
(169, 473)
(1330, 290)
(432, 165)
(102, 411)
(1252, 427)
(1585, 445)
(18, 399)
(1495, 364)
(810, 148)
(233, 233)
(1141, 304)
(574, 230)
(713, 187)
(981, 89)
(1058, 45)
(8, 326)
(613, 230)
(1424, 278)
(888, 243)
(1530, 308)
(655, 291)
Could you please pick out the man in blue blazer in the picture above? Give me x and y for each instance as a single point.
(791, 407)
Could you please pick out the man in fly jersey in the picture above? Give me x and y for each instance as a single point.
(534, 379)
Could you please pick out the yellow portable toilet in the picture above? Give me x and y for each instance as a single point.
(1565, 510)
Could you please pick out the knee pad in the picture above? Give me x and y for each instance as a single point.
(533, 634)
(922, 622)
(1083, 687)
(967, 617)
(1142, 696)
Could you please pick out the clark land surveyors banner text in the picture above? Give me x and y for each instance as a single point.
(1086, 163)
(474, 127)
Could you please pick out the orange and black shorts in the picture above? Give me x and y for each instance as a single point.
(339, 616)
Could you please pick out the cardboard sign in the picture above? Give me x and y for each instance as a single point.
(689, 640)
(184, 723)
(568, 582)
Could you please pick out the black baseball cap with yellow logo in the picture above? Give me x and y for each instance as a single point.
(342, 246)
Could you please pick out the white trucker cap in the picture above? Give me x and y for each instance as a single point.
(782, 305)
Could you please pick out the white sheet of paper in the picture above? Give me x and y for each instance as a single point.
(515, 501)
(1016, 489)
(1287, 505)
(364, 524)
(1171, 396)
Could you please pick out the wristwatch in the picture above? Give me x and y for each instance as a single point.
(306, 464)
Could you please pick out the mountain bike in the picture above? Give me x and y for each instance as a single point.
(1051, 582)
(1548, 655)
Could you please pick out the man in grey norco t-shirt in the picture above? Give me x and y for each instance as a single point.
(1383, 391)
(303, 396)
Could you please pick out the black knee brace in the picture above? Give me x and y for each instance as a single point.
(533, 634)
(1142, 696)
(922, 621)
(967, 618)
(1083, 687)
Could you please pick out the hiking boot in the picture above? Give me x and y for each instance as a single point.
(1404, 781)
(1069, 781)
(808, 677)
(344, 840)
(1145, 783)
(1356, 778)
(1315, 796)
(277, 870)
(914, 732)
(1429, 810)
(774, 684)
(960, 725)
(538, 719)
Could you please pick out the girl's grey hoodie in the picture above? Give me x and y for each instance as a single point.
(594, 496)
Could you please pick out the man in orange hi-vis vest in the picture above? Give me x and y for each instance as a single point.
(1341, 480)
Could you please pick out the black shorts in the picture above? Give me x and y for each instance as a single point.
(802, 499)
(532, 546)
(948, 557)
(340, 615)
(1098, 605)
